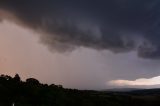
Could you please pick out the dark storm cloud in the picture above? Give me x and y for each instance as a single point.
(116, 25)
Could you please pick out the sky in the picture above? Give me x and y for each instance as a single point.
(87, 44)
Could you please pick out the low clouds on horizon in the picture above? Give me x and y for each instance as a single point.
(118, 26)
(138, 82)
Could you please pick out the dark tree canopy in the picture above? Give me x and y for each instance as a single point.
(17, 78)
(33, 93)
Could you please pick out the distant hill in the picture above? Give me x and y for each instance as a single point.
(123, 89)
(33, 93)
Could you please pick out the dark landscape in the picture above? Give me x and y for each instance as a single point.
(33, 93)
(100, 52)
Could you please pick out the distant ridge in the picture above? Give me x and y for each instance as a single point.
(123, 89)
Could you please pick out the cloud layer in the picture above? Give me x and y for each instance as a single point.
(137, 82)
(83, 68)
(119, 26)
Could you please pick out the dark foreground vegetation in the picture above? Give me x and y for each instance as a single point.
(32, 93)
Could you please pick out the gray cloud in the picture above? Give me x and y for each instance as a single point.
(83, 68)
(115, 25)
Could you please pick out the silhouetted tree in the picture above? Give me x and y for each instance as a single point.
(17, 78)
(32, 81)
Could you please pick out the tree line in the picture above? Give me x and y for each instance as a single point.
(33, 93)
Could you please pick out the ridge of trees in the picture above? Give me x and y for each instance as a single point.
(33, 93)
